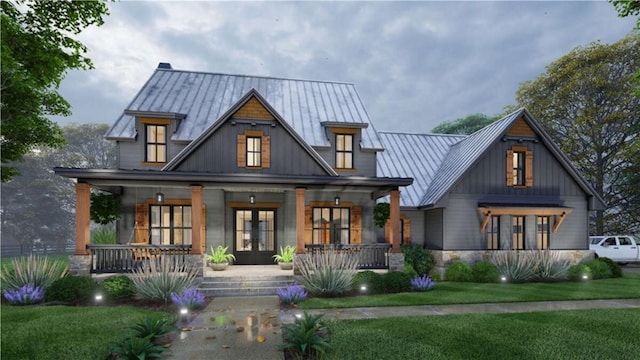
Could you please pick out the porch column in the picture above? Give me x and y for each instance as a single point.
(394, 219)
(300, 220)
(196, 219)
(83, 219)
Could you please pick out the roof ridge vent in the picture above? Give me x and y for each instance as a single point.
(165, 65)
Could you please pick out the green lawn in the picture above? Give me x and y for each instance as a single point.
(471, 293)
(64, 332)
(580, 334)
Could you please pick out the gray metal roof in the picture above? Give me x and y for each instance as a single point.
(414, 155)
(201, 98)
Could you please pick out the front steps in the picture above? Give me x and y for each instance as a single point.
(244, 285)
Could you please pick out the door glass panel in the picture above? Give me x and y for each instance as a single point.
(266, 231)
(187, 216)
(243, 230)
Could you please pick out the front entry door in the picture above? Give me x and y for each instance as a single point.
(254, 236)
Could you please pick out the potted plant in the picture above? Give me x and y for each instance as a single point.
(285, 258)
(219, 258)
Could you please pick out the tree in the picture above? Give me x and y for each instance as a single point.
(37, 51)
(464, 126)
(627, 8)
(584, 100)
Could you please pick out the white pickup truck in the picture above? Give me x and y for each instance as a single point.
(619, 248)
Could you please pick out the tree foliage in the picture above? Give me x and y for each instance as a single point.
(585, 101)
(628, 8)
(464, 126)
(37, 51)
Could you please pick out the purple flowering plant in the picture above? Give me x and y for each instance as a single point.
(190, 298)
(292, 294)
(27, 294)
(422, 283)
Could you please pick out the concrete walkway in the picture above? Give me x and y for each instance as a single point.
(233, 327)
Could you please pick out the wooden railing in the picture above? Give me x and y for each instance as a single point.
(370, 256)
(126, 258)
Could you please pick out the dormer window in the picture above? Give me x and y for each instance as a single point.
(519, 167)
(344, 151)
(156, 143)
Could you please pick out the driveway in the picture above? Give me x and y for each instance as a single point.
(633, 268)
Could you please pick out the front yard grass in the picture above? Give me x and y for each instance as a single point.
(65, 332)
(579, 334)
(447, 292)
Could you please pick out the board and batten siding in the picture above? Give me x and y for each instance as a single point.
(417, 219)
(219, 153)
(434, 229)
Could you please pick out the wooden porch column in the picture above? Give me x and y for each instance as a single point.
(394, 219)
(83, 218)
(196, 219)
(300, 192)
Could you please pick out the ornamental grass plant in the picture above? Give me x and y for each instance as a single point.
(36, 270)
(328, 273)
(157, 279)
(515, 265)
(550, 266)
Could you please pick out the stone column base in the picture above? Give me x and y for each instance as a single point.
(80, 265)
(396, 262)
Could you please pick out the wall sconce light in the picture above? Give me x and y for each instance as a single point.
(336, 201)
(252, 199)
(159, 197)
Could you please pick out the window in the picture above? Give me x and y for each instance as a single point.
(493, 233)
(254, 152)
(331, 225)
(344, 151)
(517, 232)
(519, 167)
(542, 232)
(170, 225)
(156, 143)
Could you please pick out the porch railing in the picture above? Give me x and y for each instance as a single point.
(126, 258)
(370, 256)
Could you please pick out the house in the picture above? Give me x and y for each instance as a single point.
(255, 163)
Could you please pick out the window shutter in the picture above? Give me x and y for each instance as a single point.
(142, 224)
(266, 151)
(406, 231)
(509, 167)
(203, 230)
(242, 151)
(308, 225)
(356, 225)
(528, 172)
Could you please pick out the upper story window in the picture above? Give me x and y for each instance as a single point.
(344, 151)
(254, 151)
(519, 167)
(156, 143)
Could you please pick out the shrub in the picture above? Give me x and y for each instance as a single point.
(422, 283)
(71, 289)
(157, 279)
(408, 269)
(371, 280)
(28, 294)
(292, 294)
(435, 275)
(328, 273)
(549, 265)
(420, 259)
(616, 270)
(599, 269)
(485, 272)
(578, 272)
(103, 235)
(36, 270)
(514, 265)
(459, 271)
(396, 281)
(154, 328)
(118, 287)
(190, 298)
(133, 348)
(308, 337)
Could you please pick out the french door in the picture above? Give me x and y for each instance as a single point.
(254, 236)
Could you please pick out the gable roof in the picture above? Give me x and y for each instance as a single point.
(198, 99)
(459, 157)
(251, 94)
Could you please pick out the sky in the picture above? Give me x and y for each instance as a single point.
(414, 64)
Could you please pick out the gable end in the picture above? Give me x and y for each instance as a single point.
(521, 128)
(253, 109)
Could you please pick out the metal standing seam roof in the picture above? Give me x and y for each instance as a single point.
(203, 97)
(418, 156)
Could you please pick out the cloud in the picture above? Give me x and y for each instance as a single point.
(415, 64)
